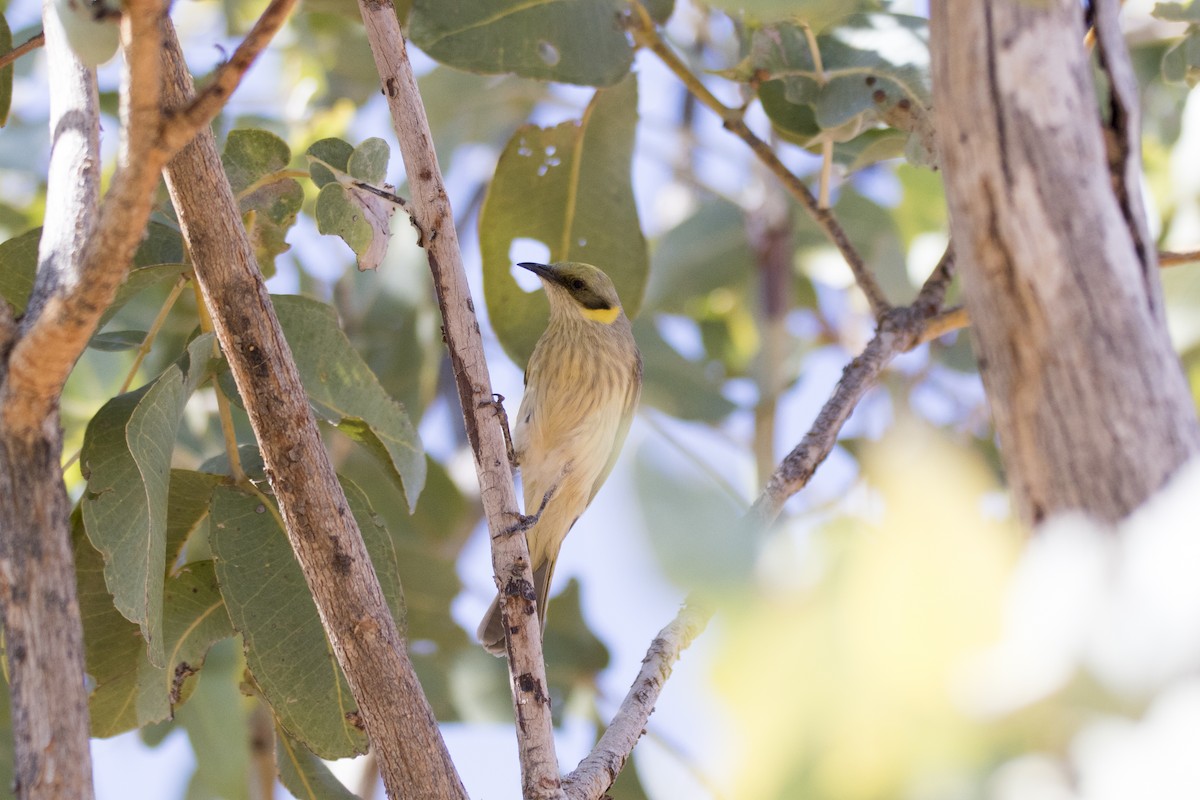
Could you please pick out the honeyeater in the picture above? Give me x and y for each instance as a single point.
(581, 387)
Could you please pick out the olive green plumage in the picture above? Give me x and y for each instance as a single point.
(581, 388)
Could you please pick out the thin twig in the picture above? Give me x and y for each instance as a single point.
(33, 43)
(179, 129)
(148, 342)
(600, 768)
(1166, 259)
(950, 320)
(224, 412)
(646, 34)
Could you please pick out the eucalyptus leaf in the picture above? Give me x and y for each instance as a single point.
(303, 774)
(672, 383)
(269, 602)
(6, 73)
(574, 41)
(568, 187)
(345, 392)
(126, 458)
(256, 162)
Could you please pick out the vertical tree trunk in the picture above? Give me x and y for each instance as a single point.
(1059, 274)
(43, 634)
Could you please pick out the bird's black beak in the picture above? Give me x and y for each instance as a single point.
(541, 270)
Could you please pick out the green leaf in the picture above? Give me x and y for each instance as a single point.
(256, 162)
(369, 161)
(346, 208)
(706, 251)
(575, 41)
(216, 720)
(188, 500)
(362, 219)
(127, 458)
(817, 13)
(162, 247)
(334, 153)
(1181, 64)
(680, 387)
(6, 74)
(694, 527)
(140, 279)
(18, 266)
(305, 775)
(345, 392)
(117, 341)
(874, 70)
(194, 619)
(269, 602)
(568, 187)
(1177, 12)
(122, 680)
(468, 108)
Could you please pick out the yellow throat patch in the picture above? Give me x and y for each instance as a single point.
(606, 315)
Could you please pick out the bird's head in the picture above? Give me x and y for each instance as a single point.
(578, 288)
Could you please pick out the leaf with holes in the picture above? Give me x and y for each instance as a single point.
(873, 70)
(568, 187)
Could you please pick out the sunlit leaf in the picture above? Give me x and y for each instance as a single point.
(579, 41)
(872, 655)
(345, 207)
(345, 392)
(569, 188)
(269, 602)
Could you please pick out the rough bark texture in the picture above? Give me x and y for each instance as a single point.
(510, 556)
(323, 534)
(1090, 404)
(43, 635)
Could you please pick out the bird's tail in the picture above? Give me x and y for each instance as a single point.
(491, 629)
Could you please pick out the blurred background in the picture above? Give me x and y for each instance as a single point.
(895, 635)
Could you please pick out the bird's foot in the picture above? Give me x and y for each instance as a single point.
(527, 521)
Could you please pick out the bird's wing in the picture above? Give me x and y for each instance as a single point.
(631, 401)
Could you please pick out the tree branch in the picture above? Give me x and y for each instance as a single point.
(600, 768)
(43, 632)
(31, 44)
(325, 538)
(646, 34)
(510, 555)
(182, 125)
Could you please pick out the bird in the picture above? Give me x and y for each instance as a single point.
(582, 386)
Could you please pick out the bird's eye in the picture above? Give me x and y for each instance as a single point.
(577, 284)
